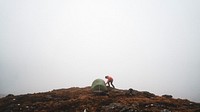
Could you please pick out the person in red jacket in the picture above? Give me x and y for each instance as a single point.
(109, 81)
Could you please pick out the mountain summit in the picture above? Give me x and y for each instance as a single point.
(77, 99)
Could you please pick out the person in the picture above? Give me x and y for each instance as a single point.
(109, 81)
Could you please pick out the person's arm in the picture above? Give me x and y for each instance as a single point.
(107, 82)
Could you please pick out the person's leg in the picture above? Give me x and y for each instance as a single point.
(109, 84)
(112, 84)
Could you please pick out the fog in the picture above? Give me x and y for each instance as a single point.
(147, 45)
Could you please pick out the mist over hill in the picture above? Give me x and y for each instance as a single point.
(2, 95)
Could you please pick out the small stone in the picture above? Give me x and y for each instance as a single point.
(165, 110)
(167, 96)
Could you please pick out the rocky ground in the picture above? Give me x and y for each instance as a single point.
(83, 100)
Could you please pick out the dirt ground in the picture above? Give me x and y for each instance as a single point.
(84, 100)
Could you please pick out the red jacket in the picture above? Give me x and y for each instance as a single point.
(110, 79)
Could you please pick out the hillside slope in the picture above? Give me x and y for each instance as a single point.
(82, 99)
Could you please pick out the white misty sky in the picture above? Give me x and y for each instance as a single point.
(147, 45)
